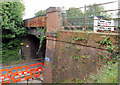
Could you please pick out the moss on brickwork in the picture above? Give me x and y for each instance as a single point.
(77, 59)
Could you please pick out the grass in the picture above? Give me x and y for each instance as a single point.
(107, 74)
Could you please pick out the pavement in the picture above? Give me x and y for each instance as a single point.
(37, 81)
(30, 82)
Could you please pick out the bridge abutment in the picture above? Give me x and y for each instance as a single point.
(53, 20)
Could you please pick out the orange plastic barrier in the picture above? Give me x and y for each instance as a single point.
(4, 70)
(40, 65)
(33, 66)
(24, 67)
(43, 63)
(37, 70)
(16, 80)
(17, 68)
(42, 73)
(28, 77)
(3, 76)
(22, 73)
(11, 70)
(6, 77)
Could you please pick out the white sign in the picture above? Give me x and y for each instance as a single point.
(100, 24)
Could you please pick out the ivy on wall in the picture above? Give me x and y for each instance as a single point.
(12, 29)
(12, 23)
(42, 37)
(10, 50)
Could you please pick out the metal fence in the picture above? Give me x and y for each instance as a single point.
(81, 19)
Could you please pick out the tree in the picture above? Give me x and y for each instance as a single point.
(73, 13)
(12, 30)
(94, 10)
(12, 13)
(72, 17)
(41, 12)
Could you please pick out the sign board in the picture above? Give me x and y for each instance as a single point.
(47, 59)
(100, 24)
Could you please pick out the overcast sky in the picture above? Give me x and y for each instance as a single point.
(33, 6)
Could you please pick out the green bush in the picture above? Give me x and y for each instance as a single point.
(108, 74)
(10, 50)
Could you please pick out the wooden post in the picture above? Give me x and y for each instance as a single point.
(85, 19)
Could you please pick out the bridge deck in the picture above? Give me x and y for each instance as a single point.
(39, 21)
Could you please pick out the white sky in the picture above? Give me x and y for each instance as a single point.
(33, 6)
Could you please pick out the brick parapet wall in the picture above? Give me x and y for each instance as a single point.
(61, 46)
(91, 39)
(65, 48)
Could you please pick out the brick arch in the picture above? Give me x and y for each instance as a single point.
(31, 46)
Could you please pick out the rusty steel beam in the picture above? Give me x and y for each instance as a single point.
(35, 22)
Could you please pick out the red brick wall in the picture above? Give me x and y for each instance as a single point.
(53, 25)
(53, 19)
(62, 49)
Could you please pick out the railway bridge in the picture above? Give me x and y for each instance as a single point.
(62, 51)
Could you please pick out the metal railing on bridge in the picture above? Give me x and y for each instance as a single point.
(85, 20)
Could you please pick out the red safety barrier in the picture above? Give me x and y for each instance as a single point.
(4, 76)
(40, 65)
(32, 67)
(22, 73)
(24, 67)
(19, 73)
(15, 69)
(43, 64)
(34, 73)
(20, 76)
(28, 77)
(16, 80)
(37, 70)
(4, 70)
(42, 73)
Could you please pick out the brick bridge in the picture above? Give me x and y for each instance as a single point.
(60, 47)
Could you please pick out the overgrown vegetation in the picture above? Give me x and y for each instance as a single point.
(76, 57)
(12, 30)
(40, 13)
(110, 50)
(108, 74)
(12, 23)
(42, 37)
(107, 63)
(80, 39)
(10, 50)
(106, 41)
